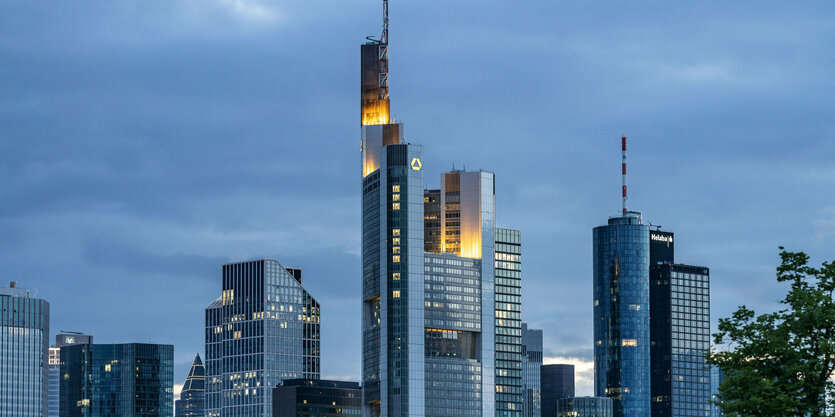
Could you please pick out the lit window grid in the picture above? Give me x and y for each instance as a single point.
(279, 340)
(690, 332)
(508, 301)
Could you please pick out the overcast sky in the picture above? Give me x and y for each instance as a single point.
(143, 143)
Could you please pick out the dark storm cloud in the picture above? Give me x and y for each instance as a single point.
(144, 143)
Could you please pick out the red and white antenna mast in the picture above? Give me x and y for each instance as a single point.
(623, 168)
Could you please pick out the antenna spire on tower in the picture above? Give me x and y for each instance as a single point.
(384, 55)
(623, 168)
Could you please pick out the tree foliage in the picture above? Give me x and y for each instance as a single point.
(781, 363)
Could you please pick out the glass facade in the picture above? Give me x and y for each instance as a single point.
(717, 377)
(317, 398)
(531, 368)
(262, 330)
(126, 380)
(509, 394)
(192, 401)
(61, 339)
(24, 354)
(557, 382)
(584, 407)
(621, 314)
(680, 333)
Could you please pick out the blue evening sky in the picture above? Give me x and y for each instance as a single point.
(143, 143)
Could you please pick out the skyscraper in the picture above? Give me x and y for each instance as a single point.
(509, 391)
(61, 339)
(192, 402)
(621, 311)
(621, 314)
(531, 369)
(263, 329)
(125, 380)
(428, 261)
(557, 382)
(24, 349)
(680, 334)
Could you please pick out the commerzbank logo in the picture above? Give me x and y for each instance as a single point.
(661, 238)
(416, 165)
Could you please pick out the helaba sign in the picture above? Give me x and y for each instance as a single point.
(661, 238)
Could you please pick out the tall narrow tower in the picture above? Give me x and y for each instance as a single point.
(428, 316)
(621, 310)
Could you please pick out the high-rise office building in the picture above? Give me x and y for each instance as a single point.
(583, 407)
(428, 307)
(531, 369)
(24, 353)
(621, 310)
(509, 391)
(557, 382)
(263, 329)
(717, 377)
(125, 380)
(317, 398)
(680, 335)
(621, 314)
(192, 402)
(61, 339)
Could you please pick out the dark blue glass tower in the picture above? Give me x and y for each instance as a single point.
(621, 314)
(126, 380)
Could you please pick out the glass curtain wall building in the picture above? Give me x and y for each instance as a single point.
(509, 394)
(61, 339)
(192, 402)
(531, 371)
(262, 330)
(24, 353)
(717, 377)
(584, 407)
(317, 398)
(428, 299)
(126, 380)
(557, 382)
(621, 314)
(680, 333)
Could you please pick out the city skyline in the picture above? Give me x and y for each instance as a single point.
(132, 202)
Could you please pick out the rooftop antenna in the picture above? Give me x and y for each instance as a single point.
(623, 168)
(384, 54)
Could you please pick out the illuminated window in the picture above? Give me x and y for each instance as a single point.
(635, 307)
(395, 249)
(596, 303)
(395, 276)
(395, 241)
(395, 258)
(629, 342)
(395, 293)
(395, 197)
(395, 232)
(395, 188)
(395, 206)
(107, 368)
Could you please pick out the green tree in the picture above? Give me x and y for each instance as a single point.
(781, 363)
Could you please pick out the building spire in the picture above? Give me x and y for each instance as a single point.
(623, 168)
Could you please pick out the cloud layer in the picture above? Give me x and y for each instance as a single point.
(144, 143)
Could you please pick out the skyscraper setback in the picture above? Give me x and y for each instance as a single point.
(431, 345)
(263, 329)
